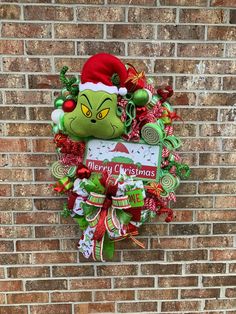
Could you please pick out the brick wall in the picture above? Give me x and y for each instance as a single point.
(189, 265)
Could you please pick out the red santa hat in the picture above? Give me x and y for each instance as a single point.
(99, 73)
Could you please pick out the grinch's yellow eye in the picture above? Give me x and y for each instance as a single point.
(86, 111)
(102, 114)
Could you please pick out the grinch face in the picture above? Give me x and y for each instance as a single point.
(95, 115)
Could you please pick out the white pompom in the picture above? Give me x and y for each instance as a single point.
(56, 115)
(122, 91)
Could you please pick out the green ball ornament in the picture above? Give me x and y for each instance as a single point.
(59, 101)
(140, 97)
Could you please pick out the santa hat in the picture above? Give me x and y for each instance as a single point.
(104, 72)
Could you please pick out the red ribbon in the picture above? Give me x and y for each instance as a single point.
(165, 93)
(136, 80)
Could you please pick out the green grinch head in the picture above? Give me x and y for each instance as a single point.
(95, 115)
(103, 78)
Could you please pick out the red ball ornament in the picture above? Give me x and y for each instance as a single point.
(68, 105)
(82, 172)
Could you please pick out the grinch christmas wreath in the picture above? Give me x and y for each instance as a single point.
(117, 160)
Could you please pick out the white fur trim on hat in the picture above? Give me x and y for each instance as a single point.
(98, 87)
(102, 87)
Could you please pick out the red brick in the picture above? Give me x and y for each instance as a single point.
(56, 232)
(189, 255)
(71, 296)
(90, 284)
(117, 270)
(205, 268)
(230, 50)
(223, 255)
(73, 271)
(216, 99)
(36, 160)
(16, 174)
(74, 64)
(43, 175)
(93, 47)
(43, 145)
(19, 298)
(217, 188)
(143, 256)
(49, 204)
(12, 47)
(225, 201)
(16, 232)
(180, 32)
(204, 174)
(94, 307)
(137, 307)
(161, 269)
(204, 242)
(183, 99)
(26, 30)
(204, 16)
(5, 218)
(33, 190)
(229, 83)
(55, 284)
(100, 14)
(15, 285)
(12, 145)
(78, 31)
(36, 245)
(28, 97)
(211, 144)
(15, 204)
(6, 246)
(150, 49)
(221, 228)
(55, 258)
(222, 3)
(29, 272)
(151, 15)
(44, 81)
(166, 282)
(178, 306)
(12, 81)
(163, 294)
(200, 50)
(36, 218)
(114, 295)
(215, 130)
(216, 215)
(150, 229)
(15, 258)
(170, 243)
(229, 145)
(39, 47)
(14, 309)
(13, 113)
(20, 64)
(52, 308)
(217, 159)
(133, 2)
(184, 2)
(230, 292)
(221, 33)
(23, 129)
(188, 114)
(219, 281)
(200, 293)
(220, 304)
(193, 202)
(199, 83)
(189, 229)
(9, 12)
(133, 282)
(48, 13)
(131, 31)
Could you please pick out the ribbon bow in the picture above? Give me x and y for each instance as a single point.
(136, 80)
